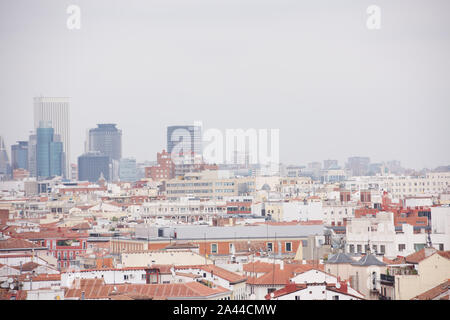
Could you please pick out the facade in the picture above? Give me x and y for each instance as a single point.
(208, 185)
(379, 235)
(57, 111)
(19, 155)
(107, 140)
(420, 272)
(91, 166)
(127, 170)
(49, 152)
(163, 170)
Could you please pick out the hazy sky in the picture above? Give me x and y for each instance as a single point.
(313, 69)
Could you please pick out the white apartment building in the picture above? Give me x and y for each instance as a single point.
(301, 211)
(334, 213)
(185, 209)
(379, 233)
(432, 184)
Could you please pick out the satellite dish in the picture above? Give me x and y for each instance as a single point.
(11, 286)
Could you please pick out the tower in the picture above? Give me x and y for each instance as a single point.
(56, 110)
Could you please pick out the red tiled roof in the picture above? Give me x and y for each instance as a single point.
(52, 234)
(418, 256)
(276, 276)
(220, 272)
(434, 292)
(289, 288)
(151, 291)
(14, 243)
(42, 277)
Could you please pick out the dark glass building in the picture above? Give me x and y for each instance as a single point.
(107, 140)
(49, 152)
(92, 165)
(186, 139)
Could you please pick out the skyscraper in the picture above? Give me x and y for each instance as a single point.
(19, 155)
(49, 152)
(92, 165)
(57, 111)
(127, 170)
(32, 155)
(184, 139)
(5, 167)
(107, 140)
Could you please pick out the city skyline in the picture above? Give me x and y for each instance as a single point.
(383, 96)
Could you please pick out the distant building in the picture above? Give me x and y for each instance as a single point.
(330, 164)
(49, 151)
(74, 172)
(5, 167)
(56, 110)
(165, 168)
(19, 155)
(32, 154)
(20, 174)
(107, 140)
(127, 171)
(358, 166)
(184, 139)
(92, 165)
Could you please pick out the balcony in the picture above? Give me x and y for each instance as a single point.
(387, 279)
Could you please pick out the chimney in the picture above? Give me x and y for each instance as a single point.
(82, 295)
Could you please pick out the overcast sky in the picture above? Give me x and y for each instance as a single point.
(312, 69)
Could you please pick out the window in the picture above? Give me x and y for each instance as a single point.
(401, 247)
(441, 247)
(382, 248)
(335, 297)
(213, 247)
(297, 297)
(358, 248)
(125, 277)
(351, 248)
(288, 246)
(269, 246)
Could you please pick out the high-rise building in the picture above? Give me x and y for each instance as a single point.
(49, 152)
(330, 164)
(73, 172)
(19, 155)
(107, 140)
(184, 140)
(32, 155)
(57, 111)
(127, 170)
(358, 166)
(93, 165)
(5, 166)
